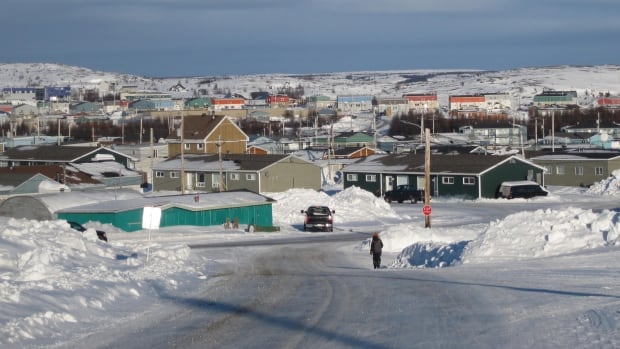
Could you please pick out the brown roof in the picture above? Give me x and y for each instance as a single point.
(46, 153)
(21, 173)
(198, 126)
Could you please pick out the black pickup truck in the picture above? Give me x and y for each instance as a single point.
(319, 218)
(404, 192)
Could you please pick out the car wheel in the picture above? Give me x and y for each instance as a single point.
(400, 201)
(305, 228)
(414, 200)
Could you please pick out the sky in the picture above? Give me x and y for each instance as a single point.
(59, 286)
(164, 38)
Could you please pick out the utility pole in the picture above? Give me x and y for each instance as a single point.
(219, 153)
(182, 155)
(427, 178)
(553, 131)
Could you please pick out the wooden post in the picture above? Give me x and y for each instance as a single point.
(427, 177)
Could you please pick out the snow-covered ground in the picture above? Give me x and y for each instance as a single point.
(55, 281)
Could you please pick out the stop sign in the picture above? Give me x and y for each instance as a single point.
(427, 210)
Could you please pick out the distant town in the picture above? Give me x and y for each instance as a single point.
(266, 141)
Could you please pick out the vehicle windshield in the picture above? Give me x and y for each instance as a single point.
(318, 210)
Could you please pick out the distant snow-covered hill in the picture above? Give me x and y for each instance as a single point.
(522, 84)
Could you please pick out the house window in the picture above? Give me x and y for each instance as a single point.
(155, 153)
(159, 174)
(200, 146)
(174, 174)
(598, 171)
(578, 170)
(469, 180)
(447, 180)
(250, 176)
(234, 176)
(186, 146)
(371, 178)
(352, 177)
(559, 170)
(200, 181)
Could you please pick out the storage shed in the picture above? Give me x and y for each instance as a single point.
(204, 209)
(45, 206)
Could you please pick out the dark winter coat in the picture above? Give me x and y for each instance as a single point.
(376, 246)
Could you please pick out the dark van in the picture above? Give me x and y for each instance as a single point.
(520, 189)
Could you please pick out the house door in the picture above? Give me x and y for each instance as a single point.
(389, 183)
(189, 181)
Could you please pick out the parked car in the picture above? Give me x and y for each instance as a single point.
(77, 226)
(319, 218)
(520, 189)
(404, 192)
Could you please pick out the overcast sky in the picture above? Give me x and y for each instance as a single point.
(170, 38)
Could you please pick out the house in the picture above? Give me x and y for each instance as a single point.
(22, 180)
(354, 103)
(346, 139)
(581, 167)
(198, 103)
(422, 102)
(141, 105)
(85, 107)
(207, 134)
(390, 106)
(25, 110)
(256, 173)
(227, 103)
(320, 102)
(19, 93)
(227, 209)
(146, 155)
(592, 127)
(111, 168)
(60, 155)
(561, 99)
(257, 150)
(351, 152)
(609, 102)
(459, 175)
(278, 100)
(20, 184)
(475, 102)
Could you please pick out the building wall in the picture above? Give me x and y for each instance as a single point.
(555, 168)
(422, 102)
(243, 180)
(235, 140)
(290, 173)
(511, 170)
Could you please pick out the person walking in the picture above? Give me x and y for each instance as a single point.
(376, 245)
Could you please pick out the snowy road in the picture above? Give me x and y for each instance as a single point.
(319, 296)
(326, 296)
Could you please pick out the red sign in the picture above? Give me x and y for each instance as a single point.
(427, 210)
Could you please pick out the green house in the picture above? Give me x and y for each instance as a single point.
(468, 176)
(244, 208)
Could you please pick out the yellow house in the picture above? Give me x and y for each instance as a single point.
(206, 134)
